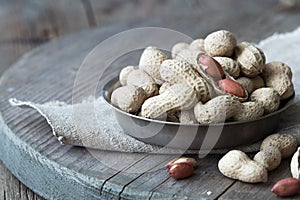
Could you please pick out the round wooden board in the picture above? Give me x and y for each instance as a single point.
(55, 171)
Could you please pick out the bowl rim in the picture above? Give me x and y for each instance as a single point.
(106, 96)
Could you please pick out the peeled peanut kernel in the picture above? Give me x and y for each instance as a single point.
(180, 171)
(286, 187)
(220, 43)
(211, 67)
(232, 87)
(190, 161)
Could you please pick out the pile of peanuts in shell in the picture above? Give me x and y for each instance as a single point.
(209, 80)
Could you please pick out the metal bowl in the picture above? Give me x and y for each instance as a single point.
(194, 136)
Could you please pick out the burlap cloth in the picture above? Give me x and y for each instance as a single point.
(105, 134)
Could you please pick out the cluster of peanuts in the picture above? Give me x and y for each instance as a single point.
(209, 80)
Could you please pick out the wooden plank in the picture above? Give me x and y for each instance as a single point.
(115, 186)
(206, 183)
(25, 25)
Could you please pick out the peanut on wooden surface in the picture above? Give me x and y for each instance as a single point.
(295, 164)
(286, 187)
(180, 168)
(237, 165)
(212, 69)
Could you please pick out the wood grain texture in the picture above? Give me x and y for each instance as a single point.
(25, 25)
(251, 20)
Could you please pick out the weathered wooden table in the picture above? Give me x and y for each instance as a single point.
(32, 154)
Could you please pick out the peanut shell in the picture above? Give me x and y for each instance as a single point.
(220, 43)
(150, 62)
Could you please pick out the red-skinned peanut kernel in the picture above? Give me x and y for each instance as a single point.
(211, 67)
(286, 187)
(186, 160)
(182, 170)
(232, 87)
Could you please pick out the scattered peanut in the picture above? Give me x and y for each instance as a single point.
(285, 143)
(220, 43)
(237, 165)
(286, 187)
(180, 171)
(128, 98)
(295, 164)
(181, 167)
(190, 161)
(270, 158)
